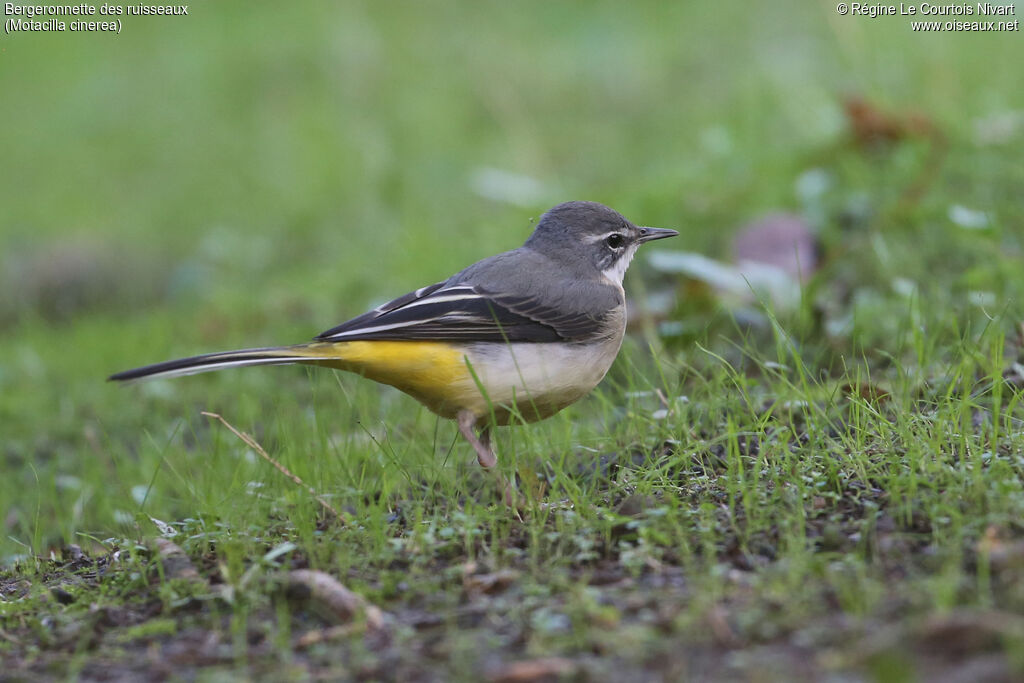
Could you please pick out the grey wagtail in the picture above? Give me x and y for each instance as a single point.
(524, 333)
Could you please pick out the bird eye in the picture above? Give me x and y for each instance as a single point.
(615, 240)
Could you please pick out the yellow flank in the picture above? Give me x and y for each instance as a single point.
(434, 373)
(527, 381)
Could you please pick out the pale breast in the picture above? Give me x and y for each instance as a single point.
(533, 381)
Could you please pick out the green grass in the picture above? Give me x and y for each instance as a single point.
(761, 494)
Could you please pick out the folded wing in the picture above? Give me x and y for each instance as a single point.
(465, 312)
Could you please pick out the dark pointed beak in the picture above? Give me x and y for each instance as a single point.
(651, 234)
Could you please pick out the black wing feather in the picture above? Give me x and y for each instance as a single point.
(463, 312)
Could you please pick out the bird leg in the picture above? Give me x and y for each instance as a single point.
(485, 454)
(482, 445)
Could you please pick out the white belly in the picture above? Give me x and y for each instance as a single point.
(534, 381)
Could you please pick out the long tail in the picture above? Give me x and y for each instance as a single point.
(315, 353)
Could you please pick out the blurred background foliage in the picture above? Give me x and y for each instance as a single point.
(255, 173)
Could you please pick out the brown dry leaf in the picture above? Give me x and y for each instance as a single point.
(176, 563)
(535, 670)
(326, 593)
(872, 128)
(871, 125)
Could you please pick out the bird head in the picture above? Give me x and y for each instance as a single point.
(588, 237)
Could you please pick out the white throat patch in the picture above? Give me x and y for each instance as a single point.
(618, 269)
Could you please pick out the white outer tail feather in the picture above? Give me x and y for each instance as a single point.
(215, 361)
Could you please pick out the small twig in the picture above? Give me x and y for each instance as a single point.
(10, 637)
(664, 399)
(253, 444)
